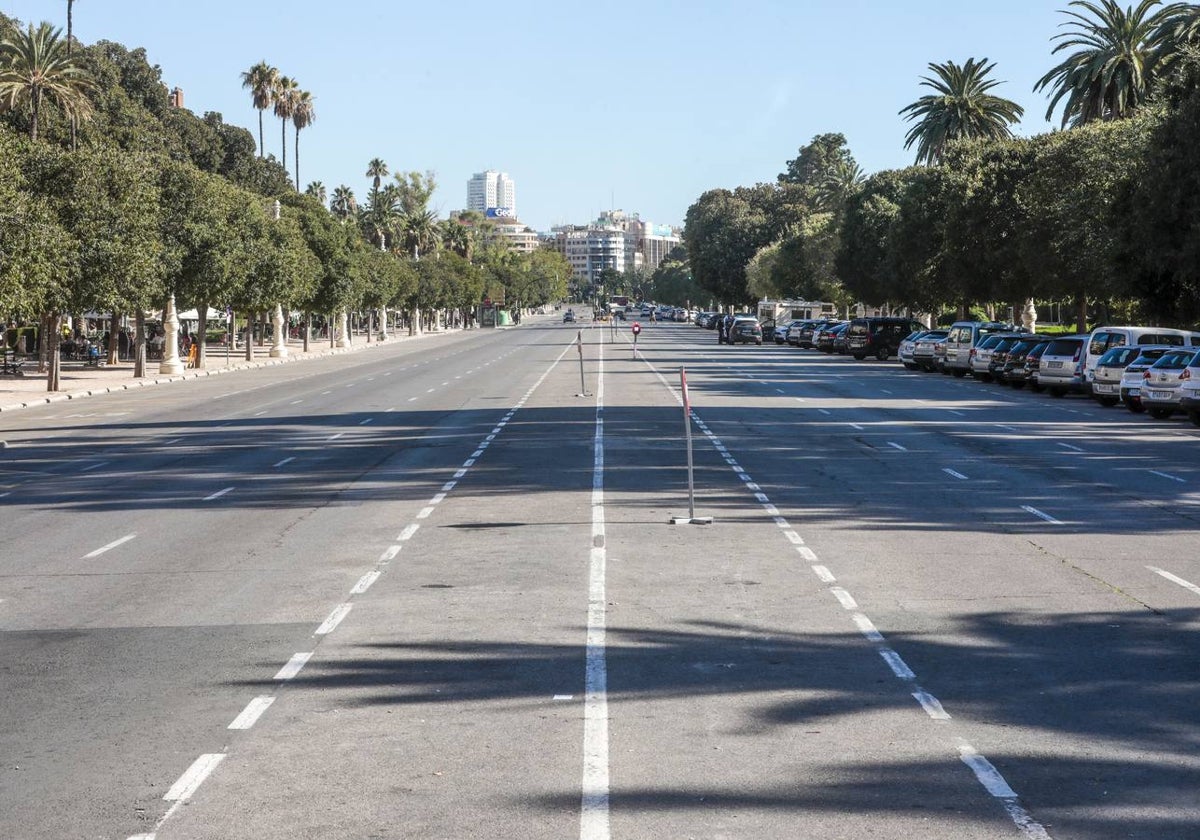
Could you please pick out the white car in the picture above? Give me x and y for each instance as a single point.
(1161, 381)
(905, 351)
(1106, 378)
(980, 356)
(1104, 339)
(1131, 379)
(1189, 389)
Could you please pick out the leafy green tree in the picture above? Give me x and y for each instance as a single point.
(672, 281)
(261, 80)
(1111, 73)
(961, 107)
(917, 239)
(722, 232)
(862, 261)
(805, 267)
(823, 155)
(35, 66)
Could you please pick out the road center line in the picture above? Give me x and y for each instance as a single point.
(253, 711)
(335, 618)
(193, 777)
(593, 816)
(293, 667)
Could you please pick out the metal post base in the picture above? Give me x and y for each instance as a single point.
(694, 520)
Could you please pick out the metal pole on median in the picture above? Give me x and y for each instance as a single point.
(692, 519)
(579, 347)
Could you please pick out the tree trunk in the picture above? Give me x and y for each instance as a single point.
(52, 338)
(307, 328)
(139, 345)
(296, 148)
(114, 337)
(261, 150)
(283, 137)
(370, 324)
(249, 336)
(201, 337)
(1082, 313)
(332, 328)
(43, 353)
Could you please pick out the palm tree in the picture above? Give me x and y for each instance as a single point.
(304, 114)
(1177, 32)
(344, 205)
(35, 64)
(377, 170)
(842, 181)
(283, 97)
(317, 190)
(70, 41)
(261, 80)
(418, 231)
(960, 108)
(380, 217)
(1111, 73)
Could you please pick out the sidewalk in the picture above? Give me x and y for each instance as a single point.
(76, 382)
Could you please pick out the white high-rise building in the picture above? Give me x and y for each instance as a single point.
(492, 193)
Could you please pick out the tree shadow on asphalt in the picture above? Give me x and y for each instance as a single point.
(1118, 687)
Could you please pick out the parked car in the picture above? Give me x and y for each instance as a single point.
(905, 351)
(879, 337)
(807, 335)
(1015, 372)
(980, 356)
(841, 339)
(1189, 390)
(1061, 370)
(1131, 379)
(744, 329)
(781, 331)
(963, 337)
(828, 337)
(1161, 381)
(925, 349)
(1033, 362)
(1104, 339)
(999, 354)
(1106, 378)
(793, 334)
(569, 316)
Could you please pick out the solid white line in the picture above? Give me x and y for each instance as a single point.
(1174, 579)
(279, 464)
(594, 813)
(95, 466)
(931, 705)
(899, 666)
(844, 598)
(335, 618)
(218, 494)
(1168, 475)
(364, 582)
(407, 533)
(293, 666)
(192, 778)
(1040, 515)
(954, 473)
(109, 547)
(895, 445)
(252, 712)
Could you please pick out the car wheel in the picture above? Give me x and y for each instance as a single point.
(1017, 384)
(984, 377)
(759, 342)
(958, 374)
(859, 356)
(1058, 392)
(1036, 388)
(1160, 413)
(910, 366)
(1135, 406)
(1108, 402)
(1194, 416)
(882, 354)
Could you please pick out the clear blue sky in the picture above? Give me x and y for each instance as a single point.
(641, 106)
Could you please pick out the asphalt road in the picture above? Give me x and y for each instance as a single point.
(432, 592)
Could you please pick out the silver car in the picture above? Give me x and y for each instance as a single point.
(1106, 379)
(1061, 370)
(1160, 383)
(1131, 379)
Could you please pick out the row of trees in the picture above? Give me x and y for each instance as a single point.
(270, 89)
(111, 200)
(1098, 214)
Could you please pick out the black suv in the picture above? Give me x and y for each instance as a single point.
(879, 337)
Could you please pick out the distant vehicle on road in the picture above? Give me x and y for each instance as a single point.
(569, 317)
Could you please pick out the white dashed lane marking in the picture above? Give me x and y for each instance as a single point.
(293, 667)
(106, 548)
(1191, 587)
(218, 494)
(253, 711)
(1040, 515)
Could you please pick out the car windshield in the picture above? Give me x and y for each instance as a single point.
(1118, 357)
(1063, 347)
(859, 328)
(1148, 356)
(990, 342)
(1038, 350)
(1174, 360)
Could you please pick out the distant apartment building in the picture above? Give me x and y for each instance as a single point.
(493, 194)
(520, 237)
(614, 241)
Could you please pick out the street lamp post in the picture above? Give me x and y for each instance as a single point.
(170, 362)
(278, 337)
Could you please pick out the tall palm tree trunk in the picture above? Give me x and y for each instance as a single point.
(297, 150)
(283, 137)
(261, 150)
(139, 347)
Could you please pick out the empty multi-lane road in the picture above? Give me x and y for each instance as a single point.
(432, 591)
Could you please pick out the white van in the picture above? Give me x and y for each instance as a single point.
(962, 337)
(1104, 339)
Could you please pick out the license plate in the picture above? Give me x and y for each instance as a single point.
(1134, 392)
(1104, 389)
(1159, 395)
(1054, 364)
